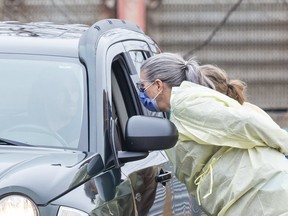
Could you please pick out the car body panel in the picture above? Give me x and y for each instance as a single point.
(29, 169)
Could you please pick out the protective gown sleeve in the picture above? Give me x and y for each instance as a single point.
(209, 117)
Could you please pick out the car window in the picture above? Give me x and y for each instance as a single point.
(41, 102)
(123, 100)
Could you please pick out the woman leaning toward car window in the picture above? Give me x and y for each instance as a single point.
(231, 159)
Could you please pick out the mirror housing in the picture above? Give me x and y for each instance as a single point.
(147, 133)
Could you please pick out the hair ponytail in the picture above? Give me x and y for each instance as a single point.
(236, 90)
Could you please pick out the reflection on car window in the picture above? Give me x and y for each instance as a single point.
(41, 102)
(137, 58)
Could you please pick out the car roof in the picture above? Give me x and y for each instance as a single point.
(40, 38)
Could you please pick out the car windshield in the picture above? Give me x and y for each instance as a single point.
(41, 102)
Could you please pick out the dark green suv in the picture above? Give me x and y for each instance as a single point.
(74, 137)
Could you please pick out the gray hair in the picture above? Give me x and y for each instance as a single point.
(173, 70)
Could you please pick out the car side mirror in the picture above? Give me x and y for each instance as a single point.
(147, 133)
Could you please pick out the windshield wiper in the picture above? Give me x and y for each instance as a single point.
(12, 142)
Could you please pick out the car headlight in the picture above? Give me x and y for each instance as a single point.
(66, 211)
(17, 205)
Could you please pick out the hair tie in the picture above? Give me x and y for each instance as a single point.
(185, 64)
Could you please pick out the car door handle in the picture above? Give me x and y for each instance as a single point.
(163, 177)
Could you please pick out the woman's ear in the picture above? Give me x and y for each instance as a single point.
(159, 84)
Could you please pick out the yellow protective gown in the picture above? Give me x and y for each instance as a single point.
(231, 159)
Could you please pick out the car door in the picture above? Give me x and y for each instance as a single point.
(125, 102)
(123, 189)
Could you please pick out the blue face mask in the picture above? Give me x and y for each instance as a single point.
(148, 103)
